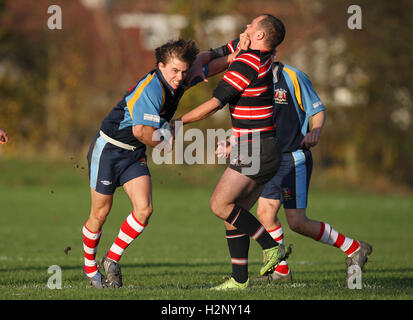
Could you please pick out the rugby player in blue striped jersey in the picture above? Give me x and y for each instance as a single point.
(117, 156)
(300, 116)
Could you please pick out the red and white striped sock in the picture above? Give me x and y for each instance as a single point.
(330, 236)
(90, 245)
(131, 228)
(278, 235)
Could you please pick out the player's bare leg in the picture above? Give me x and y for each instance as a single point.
(267, 212)
(238, 245)
(232, 190)
(298, 222)
(247, 201)
(139, 191)
(100, 208)
(357, 252)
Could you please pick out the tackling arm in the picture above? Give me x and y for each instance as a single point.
(201, 112)
(220, 64)
(218, 60)
(196, 69)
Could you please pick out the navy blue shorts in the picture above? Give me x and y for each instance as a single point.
(111, 166)
(291, 182)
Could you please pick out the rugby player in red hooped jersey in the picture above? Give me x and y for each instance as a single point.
(295, 103)
(252, 125)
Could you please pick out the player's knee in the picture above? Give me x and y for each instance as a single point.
(143, 213)
(99, 215)
(213, 205)
(263, 212)
(296, 222)
(295, 226)
(217, 208)
(266, 211)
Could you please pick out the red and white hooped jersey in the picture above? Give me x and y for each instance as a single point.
(247, 87)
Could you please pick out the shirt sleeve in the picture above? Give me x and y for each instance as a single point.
(224, 50)
(145, 104)
(198, 79)
(238, 77)
(311, 102)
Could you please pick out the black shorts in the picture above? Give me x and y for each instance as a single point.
(111, 166)
(258, 160)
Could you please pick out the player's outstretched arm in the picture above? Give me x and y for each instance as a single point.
(201, 112)
(219, 65)
(196, 69)
(215, 65)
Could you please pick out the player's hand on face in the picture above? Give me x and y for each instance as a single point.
(244, 41)
(311, 139)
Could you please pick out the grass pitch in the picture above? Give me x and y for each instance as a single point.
(183, 251)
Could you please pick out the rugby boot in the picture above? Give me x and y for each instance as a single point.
(232, 284)
(272, 258)
(359, 257)
(279, 274)
(276, 275)
(280, 277)
(98, 281)
(113, 272)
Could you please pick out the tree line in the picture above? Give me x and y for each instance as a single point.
(57, 85)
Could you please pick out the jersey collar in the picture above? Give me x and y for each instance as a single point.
(276, 71)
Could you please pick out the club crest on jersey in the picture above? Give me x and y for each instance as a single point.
(280, 96)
